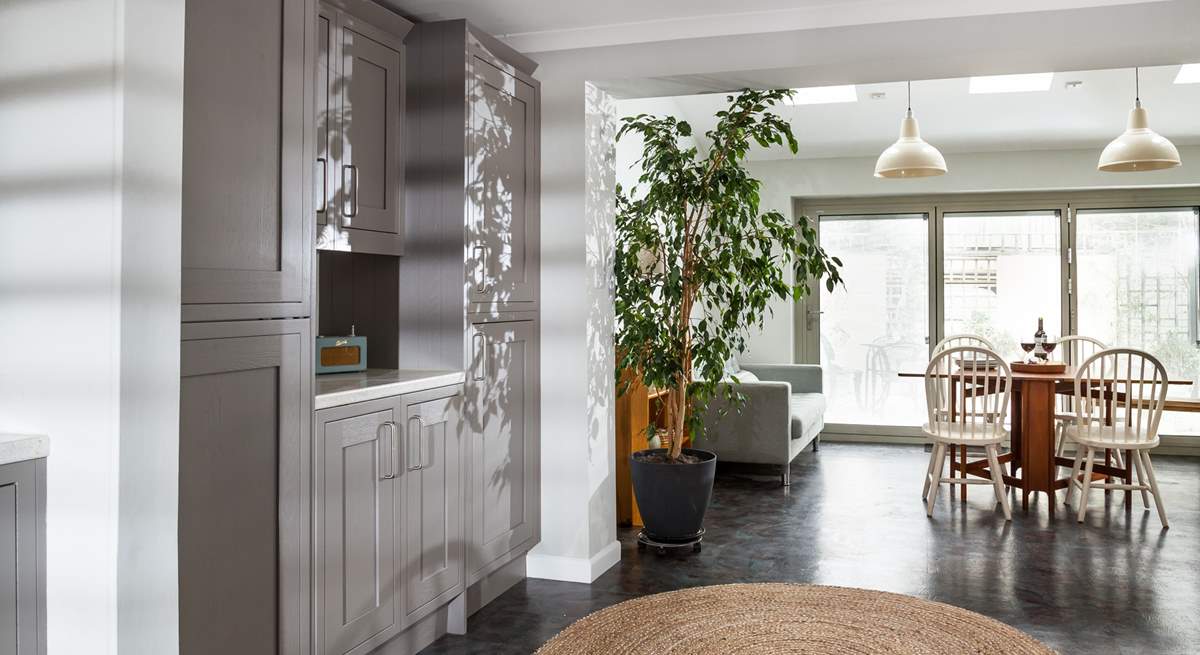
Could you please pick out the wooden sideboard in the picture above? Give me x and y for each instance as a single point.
(636, 409)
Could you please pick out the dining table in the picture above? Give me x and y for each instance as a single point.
(1032, 461)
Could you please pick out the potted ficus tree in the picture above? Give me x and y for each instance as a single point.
(697, 263)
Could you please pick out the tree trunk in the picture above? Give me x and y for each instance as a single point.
(678, 401)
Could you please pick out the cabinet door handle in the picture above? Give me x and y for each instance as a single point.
(480, 257)
(417, 439)
(323, 204)
(350, 190)
(387, 452)
(481, 349)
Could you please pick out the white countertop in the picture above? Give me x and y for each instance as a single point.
(336, 389)
(20, 447)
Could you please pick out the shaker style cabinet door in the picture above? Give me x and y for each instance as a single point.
(245, 416)
(356, 490)
(360, 100)
(433, 523)
(502, 186)
(247, 159)
(22, 558)
(501, 415)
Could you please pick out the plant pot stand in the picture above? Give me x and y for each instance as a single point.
(661, 546)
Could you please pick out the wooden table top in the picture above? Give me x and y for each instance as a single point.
(1067, 375)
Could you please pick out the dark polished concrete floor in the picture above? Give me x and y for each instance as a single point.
(853, 517)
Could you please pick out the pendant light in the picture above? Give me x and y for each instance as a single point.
(910, 156)
(1139, 148)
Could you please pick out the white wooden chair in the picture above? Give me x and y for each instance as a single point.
(1072, 349)
(1119, 399)
(966, 394)
(956, 340)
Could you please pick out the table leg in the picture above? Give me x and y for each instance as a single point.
(1107, 462)
(1037, 439)
(1128, 479)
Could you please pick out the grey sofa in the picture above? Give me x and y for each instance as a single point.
(784, 412)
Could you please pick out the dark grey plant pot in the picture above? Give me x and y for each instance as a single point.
(673, 498)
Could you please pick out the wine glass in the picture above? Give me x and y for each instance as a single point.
(1028, 347)
(1048, 347)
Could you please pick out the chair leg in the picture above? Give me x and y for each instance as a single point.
(1060, 437)
(1086, 486)
(929, 472)
(998, 481)
(1158, 503)
(1074, 474)
(1135, 460)
(939, 455)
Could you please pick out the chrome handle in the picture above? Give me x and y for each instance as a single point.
(350, 198)
(324, 203)
(387, 452)
(482, 350)
(408, 445)
(479, 254)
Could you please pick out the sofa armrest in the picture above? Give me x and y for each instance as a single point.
(759, 433)
(804, 378)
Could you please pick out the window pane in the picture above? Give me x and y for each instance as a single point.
(1001, 272)
(1137, 287)
(875, 327)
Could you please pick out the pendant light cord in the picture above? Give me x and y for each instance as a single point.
(1137, 84)
(910, 95)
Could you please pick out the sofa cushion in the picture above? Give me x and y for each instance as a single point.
(742, 377)
(808, 414)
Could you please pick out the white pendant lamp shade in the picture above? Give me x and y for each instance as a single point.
(910, 156)
(1139, 148)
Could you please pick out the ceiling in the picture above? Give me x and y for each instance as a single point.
(1087, 116)
(542, 25)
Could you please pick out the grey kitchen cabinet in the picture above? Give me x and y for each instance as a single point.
(356, 496)
(247, 159)
(477, 197)
(501, 411)
(502, 184)
(434, 500)
(245, 416)
(389, 516)
(360, 100)
(23, 558)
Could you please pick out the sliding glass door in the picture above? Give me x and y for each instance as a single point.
(1001, 271)
(877, 325)
(1136, 275)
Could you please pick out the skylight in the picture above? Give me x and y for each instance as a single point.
(824, 95)
(1188, 74)
(1011, 83)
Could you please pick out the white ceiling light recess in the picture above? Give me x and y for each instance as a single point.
(1020, 83)
(1188, 74)
(910, 155)
(1139, 148)
(823, 95)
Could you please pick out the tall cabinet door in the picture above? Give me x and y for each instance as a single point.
(502, 186)
(433, 523)
(245, 411)
(368, 120)
(501, 416)
(247, 159)
(356, 480)
(325, 174)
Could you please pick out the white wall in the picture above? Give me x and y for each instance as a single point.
(1110, 37)
(785, 179)
(151, 187)
(64, 166)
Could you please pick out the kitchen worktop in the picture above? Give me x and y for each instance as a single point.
(21, 447)
(336, 389)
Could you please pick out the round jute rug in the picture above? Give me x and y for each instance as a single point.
(786, 618)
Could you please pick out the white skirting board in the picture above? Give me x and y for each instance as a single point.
(573, 569)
